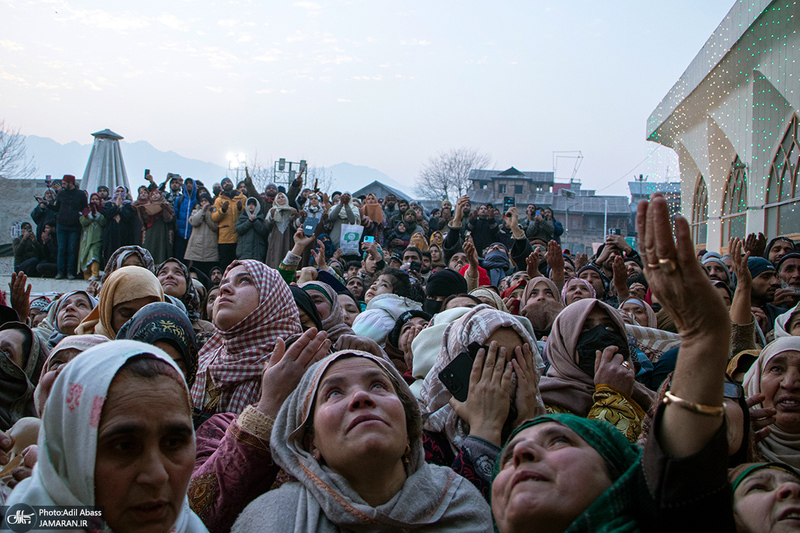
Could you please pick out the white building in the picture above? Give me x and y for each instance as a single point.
(732, 118)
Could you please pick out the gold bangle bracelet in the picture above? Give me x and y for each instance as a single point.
(698, 408)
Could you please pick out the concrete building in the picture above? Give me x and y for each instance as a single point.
(732, 118)
(643, 190)
(585, 216)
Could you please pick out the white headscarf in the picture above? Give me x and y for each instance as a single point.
(64, 473)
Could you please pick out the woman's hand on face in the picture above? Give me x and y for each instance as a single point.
(285, 368)
(30, 456)
(489, 396)
(527, 400)
(760, 418)
(676, 276)
(612, 369)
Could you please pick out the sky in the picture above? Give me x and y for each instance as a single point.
(376, 83)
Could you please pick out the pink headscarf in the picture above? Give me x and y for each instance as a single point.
(565, 385)
(652, 321)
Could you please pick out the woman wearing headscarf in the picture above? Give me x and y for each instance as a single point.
(440, 285)
(184, 206)
(766, 496)
(252, 243)
(22, 355)
(377, 481)
(254, 308)
(64, 316)
(309, 316)
(344, 212)
(126, 291)
(156, 214)
(89, 410)
(330, 310)
(540, 305)
(468, 435)
(281, 222)
(581, 383)
(588, 478)
(577, 289)
(640, 311)
(177, 281)
(786, 324)
(129, 256)
(372, 218)
(167, 327)
(489, 297)
(437, 257)
(93, 222)
(774, 376)
(201, 249)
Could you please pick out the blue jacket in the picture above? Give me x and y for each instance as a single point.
(184, 204)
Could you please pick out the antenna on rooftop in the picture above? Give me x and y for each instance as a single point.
(575, 155)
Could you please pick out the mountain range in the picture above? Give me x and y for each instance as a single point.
(56, 159)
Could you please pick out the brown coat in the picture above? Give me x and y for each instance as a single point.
(202, 245)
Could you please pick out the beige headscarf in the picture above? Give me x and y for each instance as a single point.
(489, 294)
(125, 284)
(780, 445)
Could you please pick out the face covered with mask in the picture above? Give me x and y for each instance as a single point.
(599, 332)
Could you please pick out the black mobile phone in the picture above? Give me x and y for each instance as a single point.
(310, 225)
(455, 376)
(615, 231)
(146, 172)
(415, 266)
(508, 203)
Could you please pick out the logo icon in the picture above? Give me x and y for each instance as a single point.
(21, 517)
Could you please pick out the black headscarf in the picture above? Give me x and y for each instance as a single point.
(163, 321)
(190, 298)
(394, 335)
(18, 384)
(304, 303)
(445, 283)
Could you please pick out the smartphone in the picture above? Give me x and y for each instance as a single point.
(415, 266)
(455, 376)
(310, 225)
(146, 172)
(615, 231)
(369, 238)
(538, 212)
(38, 199)
(508, 203)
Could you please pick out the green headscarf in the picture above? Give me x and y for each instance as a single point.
(614, 509)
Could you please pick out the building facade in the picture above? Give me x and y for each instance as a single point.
(586, 217)
(732, 118)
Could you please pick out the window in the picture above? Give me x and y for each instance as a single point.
(501, 188)
(783, 204)
(517, 189)
(700, 212)
(734, 203)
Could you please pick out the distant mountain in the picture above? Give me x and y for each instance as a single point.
(58, 159)
(349, 177)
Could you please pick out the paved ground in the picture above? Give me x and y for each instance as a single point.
(39, 286)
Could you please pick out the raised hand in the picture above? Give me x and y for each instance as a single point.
(285, 368)
(621, 278)
(20, 296)
(555, 260)
(489, 397)
(756, 244)
(528, 400)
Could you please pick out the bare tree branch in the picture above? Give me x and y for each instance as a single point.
(446, 175)
(14, 162)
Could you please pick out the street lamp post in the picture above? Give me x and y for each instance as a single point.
(290, 173)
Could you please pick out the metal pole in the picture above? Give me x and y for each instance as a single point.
(605, 220)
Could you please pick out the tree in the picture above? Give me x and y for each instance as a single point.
(14, 162)
(446, 175)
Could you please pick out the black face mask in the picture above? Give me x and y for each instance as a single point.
(432, 306)
(597, 338)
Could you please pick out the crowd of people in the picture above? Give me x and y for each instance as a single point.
(237, 362)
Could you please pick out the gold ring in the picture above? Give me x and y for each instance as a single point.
(626, 364)
(652, 265)
(668, 265)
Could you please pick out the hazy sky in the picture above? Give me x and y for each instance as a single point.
(376, 83)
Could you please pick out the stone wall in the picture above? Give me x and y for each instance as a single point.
(16, 203)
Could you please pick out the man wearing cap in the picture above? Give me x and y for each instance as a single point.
(102, 190)
(766, 285)
(227, 208)
(69, 204)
